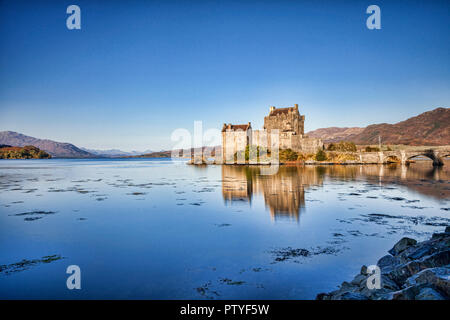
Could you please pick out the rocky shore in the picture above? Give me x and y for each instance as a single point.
(412, 271)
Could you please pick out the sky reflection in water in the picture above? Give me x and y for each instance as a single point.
(159, 229)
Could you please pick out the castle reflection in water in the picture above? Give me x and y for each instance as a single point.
(284, 192)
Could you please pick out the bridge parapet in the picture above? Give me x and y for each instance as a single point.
(436, 155)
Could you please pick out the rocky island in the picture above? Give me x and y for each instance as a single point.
(26, 152)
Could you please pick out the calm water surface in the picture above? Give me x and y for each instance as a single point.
(161, 229)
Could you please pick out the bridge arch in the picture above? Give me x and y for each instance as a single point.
(437, 161)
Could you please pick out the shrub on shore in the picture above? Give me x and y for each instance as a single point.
(305, 156)
(288, 155)
(321, 155)
(371, 149)
(252, 153)
(342, 146)
(341, 157)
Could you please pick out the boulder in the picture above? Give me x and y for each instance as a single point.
(408, 293)
(323, 296)
(421, 251)
(439, 278)
(428, 293)
(438, 259)
(358, 279)
(387, 283)
(402, 245)
(387, 263)
(404, 271)
(346, 286)
(439, 235)
(363, 270)
(352, 296)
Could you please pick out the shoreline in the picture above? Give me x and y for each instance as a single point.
(303, 163)
(412, 271)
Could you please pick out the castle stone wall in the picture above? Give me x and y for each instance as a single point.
(234, 141)
(306, 145)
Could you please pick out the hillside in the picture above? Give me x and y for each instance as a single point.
(334, 134)
(428, 128)
(55, 149)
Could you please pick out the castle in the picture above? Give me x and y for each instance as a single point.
(291, 133)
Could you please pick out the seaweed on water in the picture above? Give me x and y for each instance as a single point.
(223, 225)
(288, 253)
(32, 218)
(231, 282)
(36, 215)
(136, 193)
(25, 264)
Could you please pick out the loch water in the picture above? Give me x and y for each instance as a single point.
(162, 229)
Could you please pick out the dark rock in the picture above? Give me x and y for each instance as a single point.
(438, 259)
(363, 270)
(437, 277)
(403, 244)
(386, 286)
(323, 296)
(440, 235)
(428, 293)
(408, 293)
(404, 271)
(347, 286)
(387, 283)
(352, 296)
(421, 252)
(358, 279)
(387, 263)
(413, 271)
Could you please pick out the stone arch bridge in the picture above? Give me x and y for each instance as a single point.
(436, 154)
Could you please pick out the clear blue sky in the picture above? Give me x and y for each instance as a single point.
(137, 70)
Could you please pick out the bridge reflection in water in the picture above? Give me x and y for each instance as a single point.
(284, 192)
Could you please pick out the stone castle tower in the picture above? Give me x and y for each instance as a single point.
(286, 120)
(291, 133)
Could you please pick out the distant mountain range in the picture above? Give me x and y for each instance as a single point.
(62, 149)
(55, 149)
(115, 152)
(178, 152)
(427, 129)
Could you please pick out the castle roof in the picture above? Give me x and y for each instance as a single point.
(277, 111)
(236, 127)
